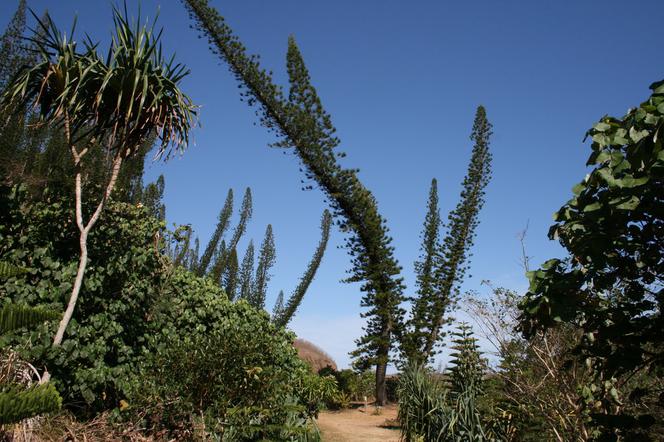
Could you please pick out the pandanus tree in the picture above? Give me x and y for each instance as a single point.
(114, 103)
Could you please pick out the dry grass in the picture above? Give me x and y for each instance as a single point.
(64, 427)
(313, 355)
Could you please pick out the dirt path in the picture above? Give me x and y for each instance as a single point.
(354, 425)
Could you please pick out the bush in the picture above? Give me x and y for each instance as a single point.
(226, 362)
(95, 366)
(352, 385)
(427, 411)
(150, 338)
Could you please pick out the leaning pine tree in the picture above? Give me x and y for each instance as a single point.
(115, 103)
(302, 124)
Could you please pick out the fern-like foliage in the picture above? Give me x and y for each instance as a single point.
(18, 403)
(14, 316)
(8, 270)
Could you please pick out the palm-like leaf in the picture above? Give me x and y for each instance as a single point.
(130, 95)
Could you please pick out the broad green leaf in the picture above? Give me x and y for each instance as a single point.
(592, 207)
(602, 126)
(631, 204)
(637, 135)
(578, 188)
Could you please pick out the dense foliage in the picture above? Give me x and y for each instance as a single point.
(123, 283)
(224, 361)
(18, 402)
(150, 335)
(611, 287)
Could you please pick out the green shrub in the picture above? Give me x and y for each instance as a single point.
(150, 337)
(429, 412)
(16, 401)
(353, 385)
(226, 362)
(96, 364)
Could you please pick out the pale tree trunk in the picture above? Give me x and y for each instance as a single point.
(84, 230)
(83, 242)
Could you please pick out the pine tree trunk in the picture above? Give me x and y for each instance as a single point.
(381, 390)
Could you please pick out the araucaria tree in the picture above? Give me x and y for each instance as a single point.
(285, 310)
(266, 259)
(467, 367)
(301, 124)
(443, 264)
(425, 271)
(115, 104)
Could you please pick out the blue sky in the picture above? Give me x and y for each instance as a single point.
(401, 81)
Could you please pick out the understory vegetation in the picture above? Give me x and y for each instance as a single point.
(115, 326)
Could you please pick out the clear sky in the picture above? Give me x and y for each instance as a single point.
(401, 80)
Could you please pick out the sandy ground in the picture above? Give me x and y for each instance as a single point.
(354, 425)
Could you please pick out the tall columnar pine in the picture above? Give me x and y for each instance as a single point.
(231, 275)
(610, 288)
(283, 315)
(219, 261)
(183, 236)
(302, 124)
(246, 276)
(266, 259)
(278, 309)
(219, 231)
(425, 271)
(192, 258)
(12, 118)
(443, 266)
(12, 46)
(221, 255)
(98, 105)
(152, 198)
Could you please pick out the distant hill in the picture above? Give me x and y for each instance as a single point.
(313, 355)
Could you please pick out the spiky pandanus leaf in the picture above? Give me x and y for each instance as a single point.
(18, 403)
(424, 412)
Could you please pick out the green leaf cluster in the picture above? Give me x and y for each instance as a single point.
(610, 287)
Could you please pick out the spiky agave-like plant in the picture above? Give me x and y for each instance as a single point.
(115, 103)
